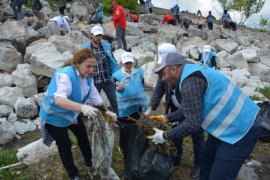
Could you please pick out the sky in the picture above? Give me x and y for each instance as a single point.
(206, 5)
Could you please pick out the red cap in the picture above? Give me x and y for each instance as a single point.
(114, 3)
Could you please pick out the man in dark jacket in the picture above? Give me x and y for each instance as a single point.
(172, 99)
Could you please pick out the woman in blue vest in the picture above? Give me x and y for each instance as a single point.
(70, 88)
(211, 101)
(130, 85)
(208, 57)
(131, 101)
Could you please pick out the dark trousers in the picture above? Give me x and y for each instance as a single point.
(150, 10)
(109, 89)
(186, 25)
(210, 25)
(120, 37)
(128, 134)
(60, 135)
(223, 161)
(177, 18)
(62, 10)
(16, 6)
(198, 143)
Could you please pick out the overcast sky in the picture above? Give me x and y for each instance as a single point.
(206, 5)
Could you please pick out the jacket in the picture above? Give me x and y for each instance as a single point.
(167, 18)
(52, 114)
(119, 17)
(227, 113)
(132, 97)
(211, 61)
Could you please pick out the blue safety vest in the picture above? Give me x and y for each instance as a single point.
(107, 48)
(208, 62)
(52, 114)
(132, 97)
(228, 113)
(175, 10)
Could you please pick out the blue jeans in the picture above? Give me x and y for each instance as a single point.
(109, 89)
(223, 161)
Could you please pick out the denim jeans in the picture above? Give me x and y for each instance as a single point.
(60, 135)
(223, 161)
(120, 37)
(109, 89)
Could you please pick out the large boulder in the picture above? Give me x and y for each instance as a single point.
(9, 95)
(9, 57)
(226, 44)
(240, 77)
(187, 43)
(169, 34)
(7, 131)
(79, 11)
(26, 108)
(150, 19)
(237, 61)
(24, 79)
(24, 126)
(250, 54)
(5, 110)
(6, 80)
(195, 32)
(264, 56)
(134, 30)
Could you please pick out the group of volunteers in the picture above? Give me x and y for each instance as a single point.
(198, 100)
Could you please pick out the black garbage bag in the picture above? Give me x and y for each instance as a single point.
(265, 125)
(141, 159)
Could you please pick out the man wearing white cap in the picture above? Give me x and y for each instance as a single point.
(106, 65)
(209, 100)
(208, 57)
(131, 100)
(59, 25)
(172, 99)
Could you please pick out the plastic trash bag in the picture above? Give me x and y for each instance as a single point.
(102, 148)
(265, 125)
(142, 161)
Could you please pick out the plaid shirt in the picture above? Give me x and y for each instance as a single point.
(102, 72)
(192, 93)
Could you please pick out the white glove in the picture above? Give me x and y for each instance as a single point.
(121, 85)
(157, 138)
(112, 115)
(148, 111)
(89, 110)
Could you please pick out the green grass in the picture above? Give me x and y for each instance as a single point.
(255, 98)
(52, 3)
(265, 91)
(8, 157)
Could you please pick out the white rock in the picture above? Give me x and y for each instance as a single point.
(187, 43)
(5, 80)
(226, 44)
(9, 95)
(35, 152)
(250, 54)
(38, 98)
(237, 61)
(37, 122)
(264, 55)
(240, 77)
(12, 117)
(26, 108)
(7, 131)
(5, 110)
(256, 68)
(25, 126)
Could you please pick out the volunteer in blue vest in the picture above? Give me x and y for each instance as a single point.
(209, 20)
(132, 101)
(226, 19)
(172, 99)
(71, 87)
(130, 85)
(59, 25)
(176, 13)
(211, 101)
(208, 57)
(106, 65)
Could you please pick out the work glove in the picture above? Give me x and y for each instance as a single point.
(148, 111)
(121, 85)
(89, 111)
(110, 116)
(157, 138)
(160, 118)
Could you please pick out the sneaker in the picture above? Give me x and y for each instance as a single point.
(77, 177)
(195, 173)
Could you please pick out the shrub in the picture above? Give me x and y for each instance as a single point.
(129, 4)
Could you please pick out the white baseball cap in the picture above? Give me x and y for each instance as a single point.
(164, 49)
(207, 48)
(127, 57)
(97, 30)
